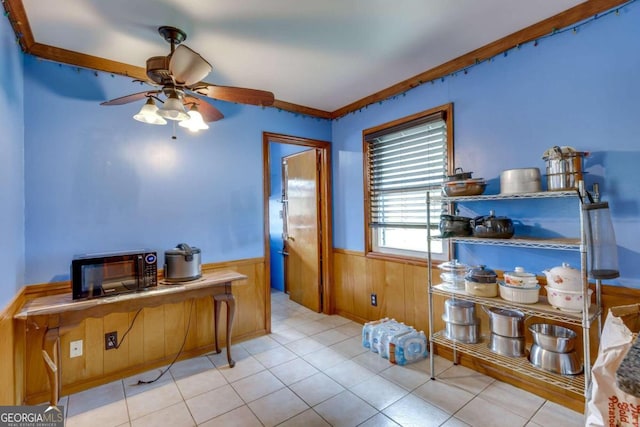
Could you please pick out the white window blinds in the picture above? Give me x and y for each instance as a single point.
(405, 162)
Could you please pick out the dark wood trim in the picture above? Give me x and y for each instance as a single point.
(368, 243)
(70, 57)
(301, 109)
(564, 19)
(21, 27)
(324, 148)
(20, 23)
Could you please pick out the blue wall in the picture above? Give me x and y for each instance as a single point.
(97, 180)
(276, 224)
(11, 164)
(77, 177)
(571, 89)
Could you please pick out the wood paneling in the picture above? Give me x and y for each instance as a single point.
(402, 293)
(8, 341)
(153, 341)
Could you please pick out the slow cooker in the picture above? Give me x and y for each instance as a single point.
(182, 263)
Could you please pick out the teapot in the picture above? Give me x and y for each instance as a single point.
(564, 278)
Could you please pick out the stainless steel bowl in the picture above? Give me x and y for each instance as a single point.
(554, 338)
(506, 346)
(523, 180)
(559, 363)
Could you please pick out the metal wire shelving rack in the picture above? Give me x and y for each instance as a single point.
(578, 384)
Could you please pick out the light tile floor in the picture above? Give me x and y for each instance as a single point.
(311, 371)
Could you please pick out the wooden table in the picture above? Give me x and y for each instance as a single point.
(58, 314)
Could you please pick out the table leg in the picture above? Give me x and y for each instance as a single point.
(51, 356)
(231, 311)
(216, 322)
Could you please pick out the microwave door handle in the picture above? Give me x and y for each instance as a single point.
(139, 274)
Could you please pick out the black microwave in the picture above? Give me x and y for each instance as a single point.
(112, 273)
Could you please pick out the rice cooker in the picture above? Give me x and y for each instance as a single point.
(182, 263)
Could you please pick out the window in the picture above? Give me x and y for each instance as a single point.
(404, 160)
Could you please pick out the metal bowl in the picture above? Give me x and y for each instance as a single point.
(554, 338)
(523, 180)
(559, 363)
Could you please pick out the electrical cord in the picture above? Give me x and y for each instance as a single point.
(129, 329)
(184, 341)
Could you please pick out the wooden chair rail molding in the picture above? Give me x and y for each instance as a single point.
(150, 344)
(580, 12)
(401, 288)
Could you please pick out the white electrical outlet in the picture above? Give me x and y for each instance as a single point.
(75, 349)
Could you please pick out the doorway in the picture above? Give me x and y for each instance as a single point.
(275, 147)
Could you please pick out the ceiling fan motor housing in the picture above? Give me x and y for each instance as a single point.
(158, 69)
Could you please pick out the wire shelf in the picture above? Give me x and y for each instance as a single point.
(537, 195)
(572, 383)
(529, 242)
(540, 309)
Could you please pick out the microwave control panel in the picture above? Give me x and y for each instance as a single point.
(150, 269)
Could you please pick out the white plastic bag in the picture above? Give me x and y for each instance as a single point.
(608, 405)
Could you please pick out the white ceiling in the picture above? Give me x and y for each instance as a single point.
(323, 54)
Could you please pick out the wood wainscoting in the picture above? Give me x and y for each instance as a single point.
(401, 290)
(154, 340)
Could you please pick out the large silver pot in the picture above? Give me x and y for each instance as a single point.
(564, 167)
(182, 263)
(467, 334)
(506, 346)
(507, 323)
(522, 180)
(459, 312)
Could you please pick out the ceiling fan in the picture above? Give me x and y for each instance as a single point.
(178, 79)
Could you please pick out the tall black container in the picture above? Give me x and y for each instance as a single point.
(601, 241)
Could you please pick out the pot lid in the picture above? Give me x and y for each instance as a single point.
(564, 277)
(481, 274)
(450, 217)
(557, 152)
(182, 249)
(520, 273)
(453, 265)
(459, 303)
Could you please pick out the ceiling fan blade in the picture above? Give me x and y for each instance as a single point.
(130, 98)
(188, 67)
(239, 95)
(208, 111)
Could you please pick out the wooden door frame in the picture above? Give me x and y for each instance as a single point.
(326, 270)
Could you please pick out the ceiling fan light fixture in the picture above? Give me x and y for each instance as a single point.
(173, 109)
(195, 122)
(149, 114)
